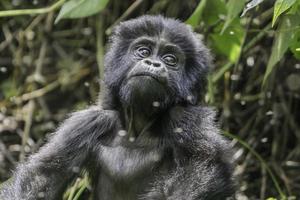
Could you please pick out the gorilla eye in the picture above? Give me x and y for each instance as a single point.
(170, 59)
(143, 52)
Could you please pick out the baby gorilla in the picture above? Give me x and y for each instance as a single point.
(151, 139)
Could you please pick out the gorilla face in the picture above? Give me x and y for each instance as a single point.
(155, 60)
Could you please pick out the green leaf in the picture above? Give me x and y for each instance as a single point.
(294, 8)
(283, 38)
(9, 89)
(214, 11)
(229, 43)
(194, 19)
(280, 7)
(80, 8)
(234, 7)
(295, 44)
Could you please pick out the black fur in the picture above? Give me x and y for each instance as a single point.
(172, 149)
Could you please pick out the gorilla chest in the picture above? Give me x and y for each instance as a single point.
(127, 162)
(124, 163)
(128, 168)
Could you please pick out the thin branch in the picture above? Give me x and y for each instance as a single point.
(38, 93)
(8, 13)
(100, 47)
(131, 8)
(28, 123)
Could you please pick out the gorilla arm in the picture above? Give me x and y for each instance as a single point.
(47, 173)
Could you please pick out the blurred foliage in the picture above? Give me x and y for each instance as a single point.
(48, 69)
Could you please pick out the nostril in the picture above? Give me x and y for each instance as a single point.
(156, 64)
(148, 62)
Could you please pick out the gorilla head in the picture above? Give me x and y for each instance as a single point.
(155, 61)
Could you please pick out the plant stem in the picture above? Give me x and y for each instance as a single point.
(262, 161)
(8, 13)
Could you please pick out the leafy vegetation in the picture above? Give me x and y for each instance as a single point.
(50, 64)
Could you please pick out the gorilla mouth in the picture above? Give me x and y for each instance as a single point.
(147, 74)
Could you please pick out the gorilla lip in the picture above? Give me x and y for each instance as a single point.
(155, 77)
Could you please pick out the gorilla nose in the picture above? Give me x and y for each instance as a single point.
(151, 62)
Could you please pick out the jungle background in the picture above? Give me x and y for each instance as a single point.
(51, 63)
